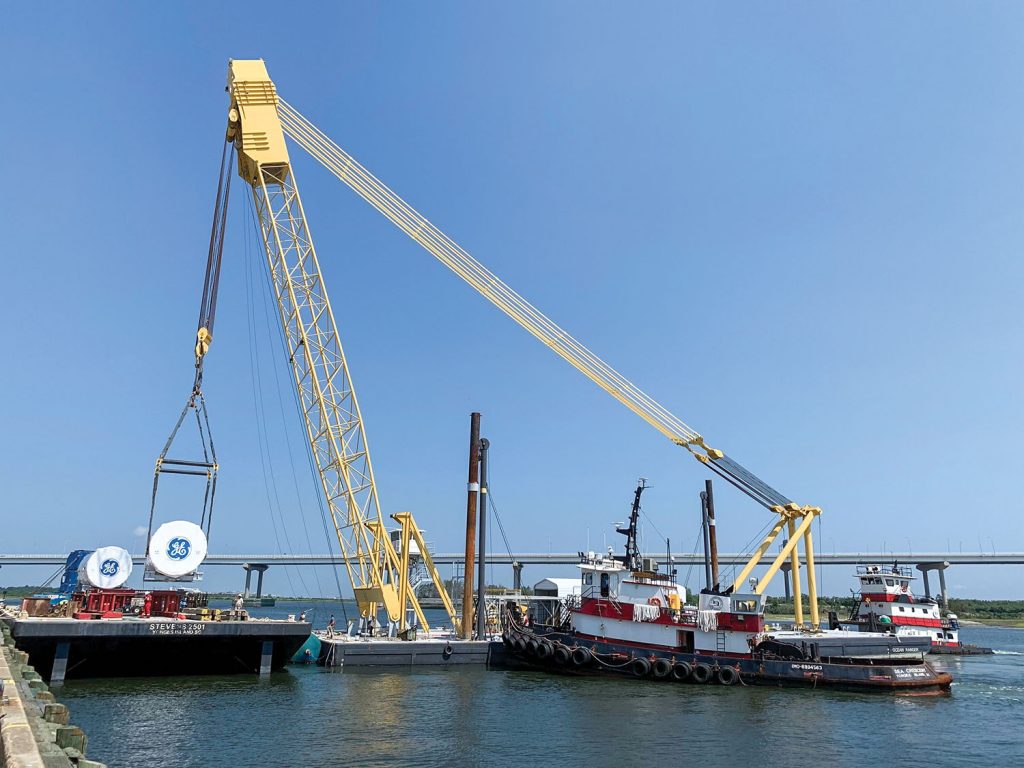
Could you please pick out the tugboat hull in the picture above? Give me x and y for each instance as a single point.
(567, 653)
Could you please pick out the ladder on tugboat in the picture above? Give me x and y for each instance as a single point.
(720, 641)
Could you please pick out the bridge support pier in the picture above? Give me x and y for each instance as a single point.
(941, 567)
(786, 568)
(517, 575)
(260, 569)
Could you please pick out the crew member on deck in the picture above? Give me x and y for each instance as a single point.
(674, 604)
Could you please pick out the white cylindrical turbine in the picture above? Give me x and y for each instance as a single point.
(107, 568)
(177, 548)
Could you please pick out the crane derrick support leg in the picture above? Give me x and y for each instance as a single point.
(794, 554)
(812, 583)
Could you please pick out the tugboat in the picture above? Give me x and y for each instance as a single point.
(631, 620)
(886, 602)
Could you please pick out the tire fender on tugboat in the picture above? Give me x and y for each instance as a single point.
(545, 649)
(640, 667)
(532, 646)
(681, 671)
(581, 656)
(562, 655)
(701, 673)
(661, 668)
(728, 676)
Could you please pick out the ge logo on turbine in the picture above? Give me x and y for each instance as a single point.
(110, 567)
(179, 548)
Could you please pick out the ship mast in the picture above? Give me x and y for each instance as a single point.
(632, 557)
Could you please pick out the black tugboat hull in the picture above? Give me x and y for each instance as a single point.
(539, 648)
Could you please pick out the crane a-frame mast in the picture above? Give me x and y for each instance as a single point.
(333, 422)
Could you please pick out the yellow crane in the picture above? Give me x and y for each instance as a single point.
(333, 422)
(259, 119)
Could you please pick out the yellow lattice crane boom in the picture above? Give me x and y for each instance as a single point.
(333, 422)
(283, 119)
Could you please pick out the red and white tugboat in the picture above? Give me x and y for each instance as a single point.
(886, 603)
(631, 620)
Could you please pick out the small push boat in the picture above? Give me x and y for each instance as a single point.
(887, 603)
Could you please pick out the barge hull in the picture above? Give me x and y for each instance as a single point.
(386, 652)
(63, 648)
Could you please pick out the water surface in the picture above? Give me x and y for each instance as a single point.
(432, 717)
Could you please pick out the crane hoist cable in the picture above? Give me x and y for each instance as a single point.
(211, 281)
(196, 402)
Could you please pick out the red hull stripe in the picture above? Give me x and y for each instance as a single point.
(624, 612)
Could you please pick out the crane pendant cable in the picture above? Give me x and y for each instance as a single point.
(495, 290)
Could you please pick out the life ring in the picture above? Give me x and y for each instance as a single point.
(681, 671)
(701, 673)
(654, 601)
(728, 675)
(661, 668)
(562, 656)
(640, 667)
(581, 656)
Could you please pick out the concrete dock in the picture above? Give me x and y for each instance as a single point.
(34, 730)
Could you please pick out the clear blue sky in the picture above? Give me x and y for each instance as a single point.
(798, 226)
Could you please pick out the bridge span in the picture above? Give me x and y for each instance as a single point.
(571, 558)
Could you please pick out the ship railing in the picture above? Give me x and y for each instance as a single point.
(658, 579)
(594, 592)
(885, 570)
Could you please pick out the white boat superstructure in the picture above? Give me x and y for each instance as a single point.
(887, 601)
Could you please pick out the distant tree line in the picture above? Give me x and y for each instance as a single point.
(966, 608)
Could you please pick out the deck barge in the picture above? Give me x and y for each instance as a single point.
(348, 652)
(59, 647)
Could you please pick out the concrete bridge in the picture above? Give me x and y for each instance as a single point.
(571, 558)
(923, 561)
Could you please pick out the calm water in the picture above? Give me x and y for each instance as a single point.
(308, 716)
